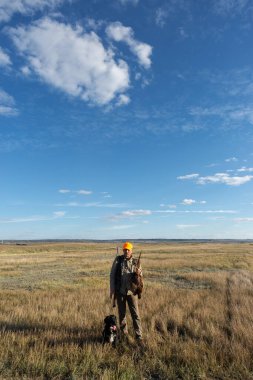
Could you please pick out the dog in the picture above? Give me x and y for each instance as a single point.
(110, 333)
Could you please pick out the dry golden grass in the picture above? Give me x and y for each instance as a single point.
(197, 313)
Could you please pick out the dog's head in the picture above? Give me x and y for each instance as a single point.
(110, 320)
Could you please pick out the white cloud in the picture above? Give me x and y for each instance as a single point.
(122, 227)
(224, 178)
(25, 70)
(118, 32)
(7, 104)
(84, 192)
(72, 60)
(4, 58)
(123, 100)
(105, 194)
(81, 192)
(10, 7)
(188, 176)
(131, 214)
(231, 159)
(188, 201)
(244, 169)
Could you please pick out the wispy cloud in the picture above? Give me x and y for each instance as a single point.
(188, 176)
(35, 218)
(131, 214)
(59, 214)
(120, 33)
(121, 227)
(231, 7)
(189, 201)
(84, 192)
(223, 178)
(92, 204)
(187, 226)
(231, 159)
(9, 8)
(79, 192)
(64, 191)
(226, 113)
(161, 15)
(169, 206)
(125, 2)
(4, 58)
(245, 169)
(196, 212)
(7, 104)
(242, 220)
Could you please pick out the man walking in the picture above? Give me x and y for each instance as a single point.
(120, 287)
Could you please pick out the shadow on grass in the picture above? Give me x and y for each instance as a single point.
(75, 335)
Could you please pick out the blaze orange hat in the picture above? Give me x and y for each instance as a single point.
(127, 245)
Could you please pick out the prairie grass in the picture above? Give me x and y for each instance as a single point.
(197, 313)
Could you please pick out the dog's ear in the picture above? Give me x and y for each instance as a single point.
(106, 320)
(114, 319)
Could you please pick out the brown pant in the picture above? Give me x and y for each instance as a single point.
(132, 302)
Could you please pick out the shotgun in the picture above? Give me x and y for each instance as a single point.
(114, 295)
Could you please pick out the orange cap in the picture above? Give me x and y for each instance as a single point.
(128, 245)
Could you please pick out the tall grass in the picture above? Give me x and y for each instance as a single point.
(196, 313)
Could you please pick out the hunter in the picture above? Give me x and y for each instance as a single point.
(121, 276)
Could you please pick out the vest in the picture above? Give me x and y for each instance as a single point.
(120, 260)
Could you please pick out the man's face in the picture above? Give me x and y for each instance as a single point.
(127, 253)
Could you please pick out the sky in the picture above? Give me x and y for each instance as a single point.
(126, 119)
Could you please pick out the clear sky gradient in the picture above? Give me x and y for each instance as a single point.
(126, 119)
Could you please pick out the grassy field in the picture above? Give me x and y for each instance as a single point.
(197, 312)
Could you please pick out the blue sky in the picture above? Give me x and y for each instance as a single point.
(126, 119)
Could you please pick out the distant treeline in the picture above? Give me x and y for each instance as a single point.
(119, 241)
